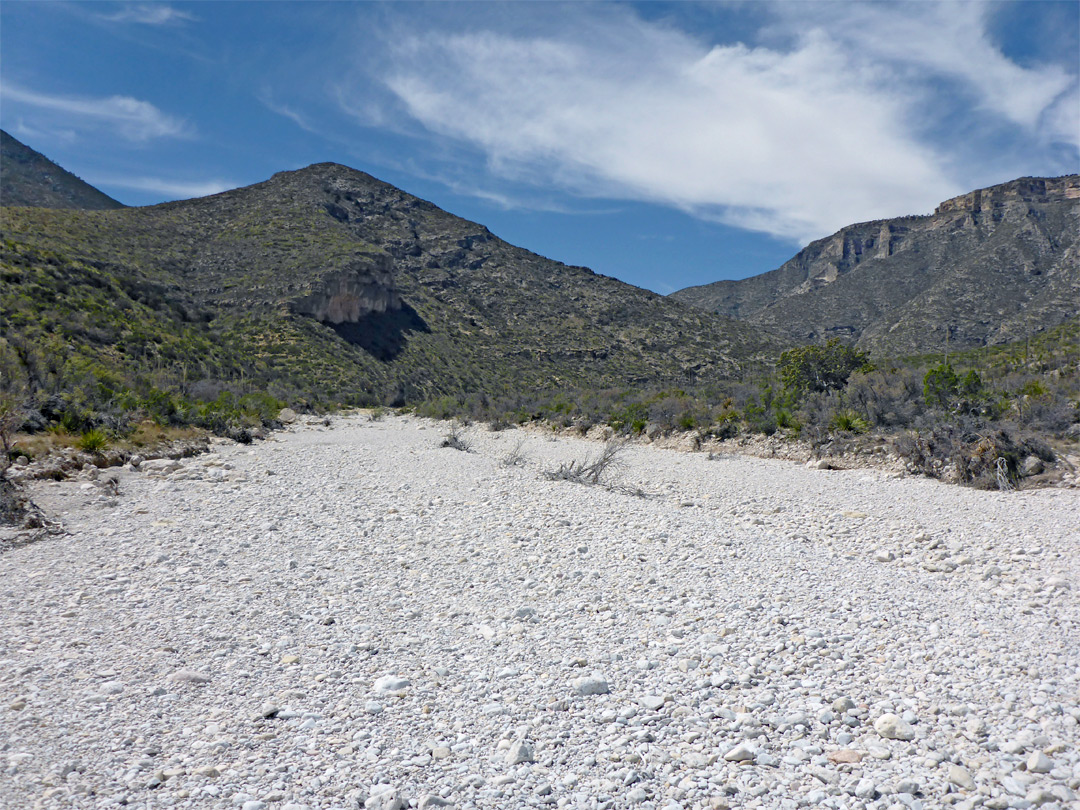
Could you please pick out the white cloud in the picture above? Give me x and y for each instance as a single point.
(174, 189)
(794, 139)
(267, 98)
(947, 40)
(130, 117)
(150, 14)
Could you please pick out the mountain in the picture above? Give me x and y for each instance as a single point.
(329, 284)
(992, 266)
(29, 178)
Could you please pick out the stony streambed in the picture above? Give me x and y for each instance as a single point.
(353, 616)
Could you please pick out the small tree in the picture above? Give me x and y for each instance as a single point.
(944, 388)
(12, 415)
(817, 368)
(940, 386)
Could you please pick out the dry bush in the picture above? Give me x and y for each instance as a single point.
(589, 470)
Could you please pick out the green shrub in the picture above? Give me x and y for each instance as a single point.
(820, 368)
(630, 419)
(848, 422)
(93, 441)
(687, 422)
(786, 421)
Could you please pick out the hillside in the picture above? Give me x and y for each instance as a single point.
(327, 284)
(31, 179)
(995, 265)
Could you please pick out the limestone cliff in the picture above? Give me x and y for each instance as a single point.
(989, 266)
(350, 294)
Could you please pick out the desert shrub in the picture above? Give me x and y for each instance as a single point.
(93, 441)
(785, 420)
(456, 440)
(260, 406)
(632, 418)
(589, 470)
(886, 397)
(848, 421)
(825, 367)
(12, 416)
(939, 386)
(445, 407)
(516, 457)
(975, 453)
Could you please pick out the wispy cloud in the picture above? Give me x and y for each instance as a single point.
(173, 189)
(130, 117)
(926, 41)
(266, 96)
(819, 128)
(149, 14)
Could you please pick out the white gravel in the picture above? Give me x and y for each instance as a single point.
(352, 616)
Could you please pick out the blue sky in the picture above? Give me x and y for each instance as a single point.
(665, 144)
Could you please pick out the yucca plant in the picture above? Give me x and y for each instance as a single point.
(848, 422)
(93, 441)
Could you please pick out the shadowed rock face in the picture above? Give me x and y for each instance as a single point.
(990, 266)
(350, 295)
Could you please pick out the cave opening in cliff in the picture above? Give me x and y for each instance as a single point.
(383, 335)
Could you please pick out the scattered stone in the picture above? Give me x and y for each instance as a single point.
(1039, 762)
(268, 710)
(843, 705)
(866, 789)
(892, 727)
(961, 778)
(390, 683)
(591, 685)
(740, 753)
(520, 751)
(385, 799)
(845, 755)
(189, 676)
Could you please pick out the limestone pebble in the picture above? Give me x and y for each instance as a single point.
(350, 616)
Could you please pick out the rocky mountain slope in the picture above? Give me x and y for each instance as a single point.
(329, 282)
(29, 178)
(991, 266)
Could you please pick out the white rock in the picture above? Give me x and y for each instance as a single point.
(188, 676)
(961, 778)
(385, 799)
(892, 727)
(390, 683)
(740, 753)
(520, 751)
(1039, 762)
(591, 685)
(865, 789)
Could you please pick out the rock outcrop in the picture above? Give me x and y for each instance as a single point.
(994, 265)
(351, 294)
